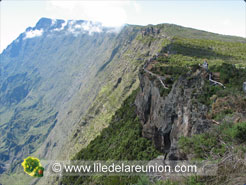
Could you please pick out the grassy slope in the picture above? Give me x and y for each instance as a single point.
(173, 30)
(121, 140)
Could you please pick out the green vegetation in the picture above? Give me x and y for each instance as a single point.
(239, 132)
(185, 52)
(190, 33)
(191, 180)
(220, 143)
(232, 78)
(121, 140)
(209, 49)
(146, 40)
(215, 142)
(173, 71)
(225, 59)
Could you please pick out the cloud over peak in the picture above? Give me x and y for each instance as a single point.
(109, 13)
(33, 33)
(84, 27)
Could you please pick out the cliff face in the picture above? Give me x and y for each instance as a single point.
(165, 119)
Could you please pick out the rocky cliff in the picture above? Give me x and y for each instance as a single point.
(166, 118)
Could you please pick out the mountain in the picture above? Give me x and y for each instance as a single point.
(64, 82)
(50, 75)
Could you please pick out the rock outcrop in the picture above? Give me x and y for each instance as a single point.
(165, 119)
(150, 31)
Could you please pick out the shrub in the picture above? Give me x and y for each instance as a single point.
(240, 132)
(200, 145)
(143, 180)
(215, 142)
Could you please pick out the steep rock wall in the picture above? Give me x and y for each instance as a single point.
(165, 119)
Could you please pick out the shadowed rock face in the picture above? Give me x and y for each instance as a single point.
(165, 119)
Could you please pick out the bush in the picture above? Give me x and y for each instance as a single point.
(230, 76)
(143, 180)
(215, 142)
(200, 145)
(240, 132)
(207, 92)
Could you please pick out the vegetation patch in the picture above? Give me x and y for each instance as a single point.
(224, 144)
(121, 140)
(230, 76)
(215, 142)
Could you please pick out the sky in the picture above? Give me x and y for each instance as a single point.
(219, 16)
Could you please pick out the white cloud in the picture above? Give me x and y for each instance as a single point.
(33, 33)
(87, 26)
(109, 13)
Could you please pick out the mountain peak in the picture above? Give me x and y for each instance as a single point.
(43, 23)
(47, 23)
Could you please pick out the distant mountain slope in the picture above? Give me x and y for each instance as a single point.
(41, 72)
(62, 81)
